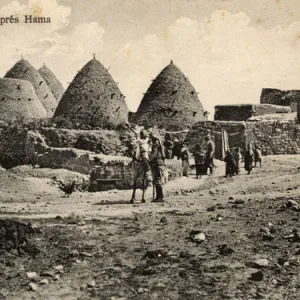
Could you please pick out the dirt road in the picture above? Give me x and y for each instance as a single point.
(214, 238)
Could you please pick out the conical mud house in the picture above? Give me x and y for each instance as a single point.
(171, 102)
(53, 83)
(93, 98)
(19, 101)
(24, 70)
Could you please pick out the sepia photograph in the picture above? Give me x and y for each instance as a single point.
(149, 149)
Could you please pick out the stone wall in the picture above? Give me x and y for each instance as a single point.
(274, 137)
(12, 146)
(106, 172)
(279, 97)
(267, 109)
(236, 132)
(281, 137)
(243, 112)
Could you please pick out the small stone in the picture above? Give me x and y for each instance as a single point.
(239, 202)
(265, 230)
(211, 208)
(33, 287)
(274, 281)
(78, 261)
(92, 284)
(74, 253)
(140, 290)
(268, 237)
(225, 250)
(86, 254)
(31, 275)
(257, 276)
(160, 285)
(56, 277)
(59, 268)
(163, 220)
(293, 205)
(47, 274)
(261, 263)
(44, 281)
(230, 198)
(200, 237)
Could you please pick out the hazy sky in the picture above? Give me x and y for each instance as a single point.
(229, 49)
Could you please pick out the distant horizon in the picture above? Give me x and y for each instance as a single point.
(230, 50)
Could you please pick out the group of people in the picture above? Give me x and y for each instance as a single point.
(154, 158)
(204, 159)
(233, 160)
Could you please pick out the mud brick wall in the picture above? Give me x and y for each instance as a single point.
(245, 111)
(266, 109)
(279, 97)
(274, 137)
(234, 112)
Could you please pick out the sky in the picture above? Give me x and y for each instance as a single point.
(229, 49)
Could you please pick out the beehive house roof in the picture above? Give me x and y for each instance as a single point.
(24, 70)
(19, 100)
(53, 83)
(171, 102)
(93, 98)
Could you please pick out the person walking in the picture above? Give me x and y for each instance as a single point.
(249, 159)
(209, 155)
(230, 164)
(237, 157)
(185, 155)
(257, 156)
(176, 149)
(199, 160)
(157, 161)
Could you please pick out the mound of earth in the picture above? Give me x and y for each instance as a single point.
(16, 236)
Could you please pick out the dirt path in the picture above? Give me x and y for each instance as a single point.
(146, 251)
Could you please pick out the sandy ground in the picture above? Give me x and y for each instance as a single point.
(109, 249)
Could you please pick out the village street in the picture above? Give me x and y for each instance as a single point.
(216, 238)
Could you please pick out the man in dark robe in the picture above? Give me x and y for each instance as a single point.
(249, 159)
(168, 144)
(230, 164)
(157, 161)
(199, 160)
